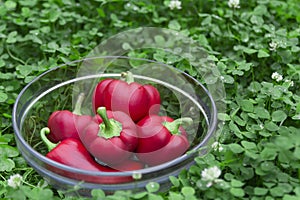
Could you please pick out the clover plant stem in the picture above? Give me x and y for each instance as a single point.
(173, 126)
(77, 109)
(50, 145)
(109, 127)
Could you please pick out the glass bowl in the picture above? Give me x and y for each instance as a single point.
(58, 88)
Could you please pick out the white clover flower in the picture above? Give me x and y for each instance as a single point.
(261, 126)
(217, 146)
(291, 83)
(273, 46)
(211, 175)
(175, 4)
(276, 76)
(15, 181)
(234, 3)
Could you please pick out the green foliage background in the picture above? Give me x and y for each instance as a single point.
(261, 134)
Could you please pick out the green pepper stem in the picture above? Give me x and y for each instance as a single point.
(77, 109)
(173, 126)
(109, 127)
(50, 145)
(127, 76)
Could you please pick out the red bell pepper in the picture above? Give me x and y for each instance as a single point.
(161, 139)
(111, 138)
(127, 96)
(65, 124)
(71, 152)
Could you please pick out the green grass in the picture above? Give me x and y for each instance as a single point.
(258, 149)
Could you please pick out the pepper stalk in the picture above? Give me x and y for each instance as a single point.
(50, 145)
(127, 77)
(173, 126)
(109, 128)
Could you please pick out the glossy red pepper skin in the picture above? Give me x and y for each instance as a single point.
(65, 124)
(115, 149)
(132, 98)
(71, 152)
(157, 144)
